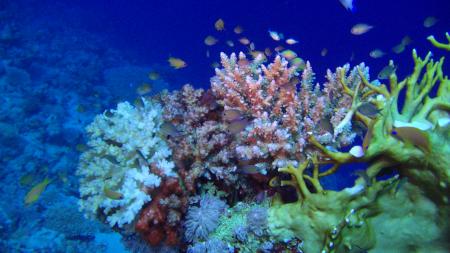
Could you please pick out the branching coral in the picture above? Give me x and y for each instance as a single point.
(283, 110)
(410, 137)
(202, 146)
(115, 171)
(439, 44)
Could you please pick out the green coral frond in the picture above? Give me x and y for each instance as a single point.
(439, 44)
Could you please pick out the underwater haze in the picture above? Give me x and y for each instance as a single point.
(224, 126)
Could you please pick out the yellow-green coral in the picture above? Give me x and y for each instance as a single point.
(326, 220)
(439, 44)
(426, 118)
(412, 139)
(409, 222)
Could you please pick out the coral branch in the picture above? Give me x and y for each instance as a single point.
(438, 44)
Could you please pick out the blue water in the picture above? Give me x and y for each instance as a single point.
(63, 62)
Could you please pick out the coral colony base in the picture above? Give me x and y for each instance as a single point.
(239, 167)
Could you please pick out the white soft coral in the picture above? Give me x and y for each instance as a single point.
(122, 144)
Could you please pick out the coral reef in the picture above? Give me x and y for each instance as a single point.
(273, 135)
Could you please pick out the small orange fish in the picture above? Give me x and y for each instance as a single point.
(386, 72)
(429, 22)
(210, 40)
(406, 40)
(360, 29)
(289, 54)
(368, 136)
(26, 179)
(326, 125)
(279, 49)
(398, 48)
(177, 63)
(275, 35)
(244, 41)
(230, 43)
(215, 65)
(143, 89)
(248, 169)
(324, 52)
(252, 46)
(237, 126)
(413, 136)
(232, 115)
(35, 192)
(81, 109)
(299, 63)
(112, 194)
(368, 109)
(377, 53)
(291, 41)
(219, 25)
(138, 103)
(168, 130)
(238, 29)
(153, 75)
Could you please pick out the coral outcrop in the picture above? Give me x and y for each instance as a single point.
(266, 133)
